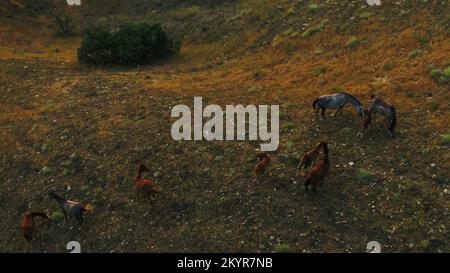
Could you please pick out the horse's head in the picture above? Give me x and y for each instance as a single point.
(360, 110)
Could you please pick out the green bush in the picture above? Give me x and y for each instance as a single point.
(57, 216)
(436, 73)
(131, 44)
(447, 72)
(314, 8)
(445, 139)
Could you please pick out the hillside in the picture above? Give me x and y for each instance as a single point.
(82, 131)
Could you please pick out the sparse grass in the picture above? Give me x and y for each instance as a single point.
(447, 72)
(352, 43)
(282, 248)
(363, 174)
(315, 8)
(415, 53)
(434, 105)
(184, 13)
(445, 139)
(315, 29)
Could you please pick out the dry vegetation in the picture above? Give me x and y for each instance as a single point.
(82, 131)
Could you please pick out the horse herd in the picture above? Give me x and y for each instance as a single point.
(315, 173)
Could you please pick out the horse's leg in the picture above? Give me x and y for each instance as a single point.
(317, 110)
(323, 112)
(337, 111)
(299, 168)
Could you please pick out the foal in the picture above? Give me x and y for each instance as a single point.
(264, 160)
(336, 101)
(388, 111)
(145, 186)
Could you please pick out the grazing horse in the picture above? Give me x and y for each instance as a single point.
(337, 101)
(28, 224)
(263, 162)
(388, 111)
(318, 173)
(309, 157)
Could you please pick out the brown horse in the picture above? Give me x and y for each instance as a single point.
(309, 157)
(317, 174)
(145, 186)
(28, 225)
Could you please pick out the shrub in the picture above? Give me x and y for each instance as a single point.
(447, 72)
(314, 8)
(436, 73)
(353, 42)
(445, 139)
(57, 216)
(131, 44)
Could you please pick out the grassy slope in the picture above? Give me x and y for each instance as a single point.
(250, 53)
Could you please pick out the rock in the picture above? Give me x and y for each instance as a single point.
(45, 170)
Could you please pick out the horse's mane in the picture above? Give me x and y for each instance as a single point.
(352, 97)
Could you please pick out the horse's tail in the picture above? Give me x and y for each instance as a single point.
(314, 104)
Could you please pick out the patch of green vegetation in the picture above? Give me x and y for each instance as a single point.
(434, 105)
(445, 139)
(447, 72)
(436, 73)
(132, 44)
(282, 248)
(352, 43)
(44, 148)
(253, 88)
(319, 70)
(415, 53)
(388, 66)
(290, 125)
(315, 29)
(337, 88)
(290, 11)
(57, 216)
(363, 174)
(315, 8)
(365, 14)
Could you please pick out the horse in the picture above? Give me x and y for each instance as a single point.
(309, 157)
(336, 101)
(382, 108)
